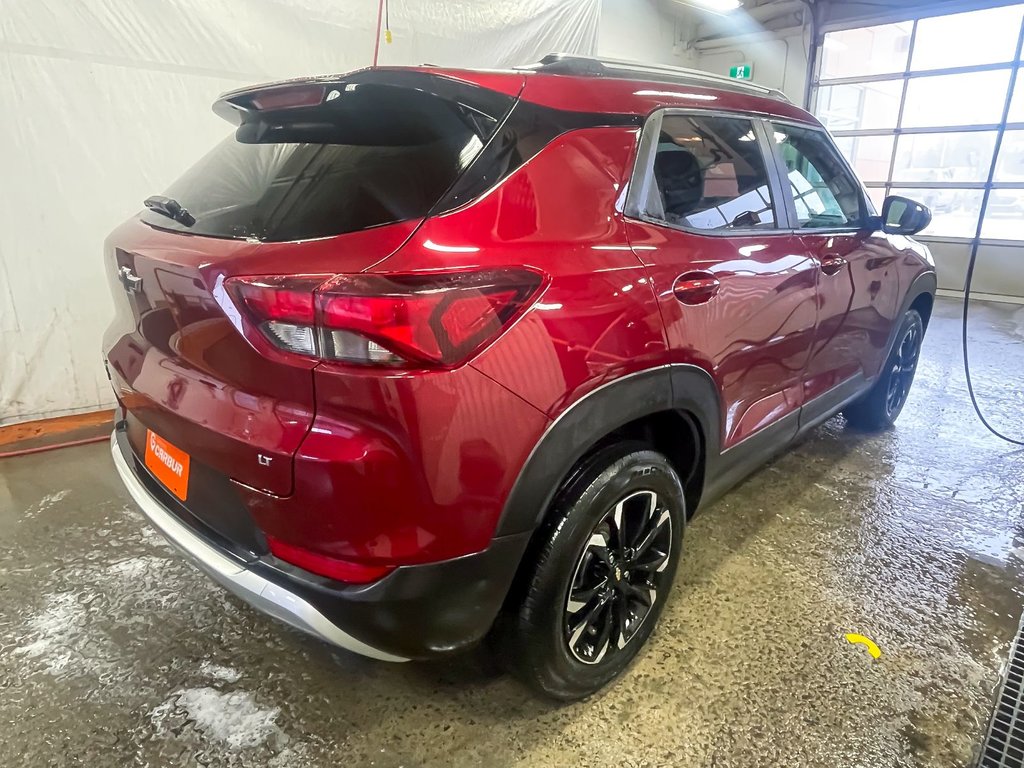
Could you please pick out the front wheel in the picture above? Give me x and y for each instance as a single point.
(879, 408)
(603, 569)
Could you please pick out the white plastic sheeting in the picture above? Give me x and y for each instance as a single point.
(107, 101)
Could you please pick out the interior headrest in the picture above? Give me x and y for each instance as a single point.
(675, 163)
(680, 179)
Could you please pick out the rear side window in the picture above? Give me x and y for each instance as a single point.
(709, 174)
(825, 193)
(368, 154)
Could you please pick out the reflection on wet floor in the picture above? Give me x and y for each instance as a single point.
(114, 651)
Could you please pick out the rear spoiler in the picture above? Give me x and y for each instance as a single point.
(242, 105)
(234, 105)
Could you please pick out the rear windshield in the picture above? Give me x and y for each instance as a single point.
(369, 154)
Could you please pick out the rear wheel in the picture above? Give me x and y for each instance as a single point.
(604, 568)
(879, 408)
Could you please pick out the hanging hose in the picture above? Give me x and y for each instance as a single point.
(967, 362)
(383, 16)
(977, 240)
(376, 40)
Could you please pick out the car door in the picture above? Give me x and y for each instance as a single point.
(736, 289)
(858, 287)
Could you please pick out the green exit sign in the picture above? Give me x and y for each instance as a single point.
(741, 71)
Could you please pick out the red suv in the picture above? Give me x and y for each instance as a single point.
(417, 356)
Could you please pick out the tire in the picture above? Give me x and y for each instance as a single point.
(878, 409)
(543, 636)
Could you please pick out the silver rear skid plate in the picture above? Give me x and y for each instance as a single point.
(264, 595)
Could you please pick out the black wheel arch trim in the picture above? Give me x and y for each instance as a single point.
(925, 283)
(673, 387)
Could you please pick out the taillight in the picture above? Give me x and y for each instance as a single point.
(437, 318)
(282, 307)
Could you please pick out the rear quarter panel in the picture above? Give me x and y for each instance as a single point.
(597, 318)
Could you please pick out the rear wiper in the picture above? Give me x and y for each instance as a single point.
(171, 208)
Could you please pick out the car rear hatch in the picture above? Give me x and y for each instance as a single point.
(320, 177)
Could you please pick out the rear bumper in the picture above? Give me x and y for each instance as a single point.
(233, 575)
(415, 612)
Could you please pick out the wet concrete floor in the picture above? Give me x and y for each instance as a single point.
(115, 652)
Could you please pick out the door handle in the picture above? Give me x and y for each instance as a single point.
(695, 287)
(832, 264)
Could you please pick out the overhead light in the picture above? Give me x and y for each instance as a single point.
(716, 6)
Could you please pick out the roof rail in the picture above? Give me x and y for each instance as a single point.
(589, 66)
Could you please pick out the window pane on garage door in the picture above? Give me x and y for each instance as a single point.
(877, 50)
(954, 211)
(974, 98)
(982, 37)
(1011, 157)
(944, 157)
(869, 155)
(860, 105)
(1004, 219)
(1017, 103)
(877, 197)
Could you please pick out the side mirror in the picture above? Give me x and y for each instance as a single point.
(903, 216)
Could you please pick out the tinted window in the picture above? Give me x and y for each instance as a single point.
(369, 154)
(709, 174)
(825, 193)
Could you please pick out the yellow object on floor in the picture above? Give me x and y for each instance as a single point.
(873, 649)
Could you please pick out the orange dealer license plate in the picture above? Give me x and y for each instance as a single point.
(168, 463)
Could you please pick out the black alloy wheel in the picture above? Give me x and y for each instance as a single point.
(618, 577)
(879, 407)
(598, 573)
(902, 369)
